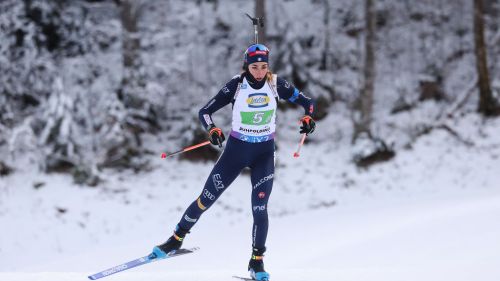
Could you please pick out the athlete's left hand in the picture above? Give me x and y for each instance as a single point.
(308, 125)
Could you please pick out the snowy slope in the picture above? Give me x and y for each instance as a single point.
(429, 214)
(392, 237)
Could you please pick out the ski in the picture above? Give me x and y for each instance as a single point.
(244, 278)
(140, 261)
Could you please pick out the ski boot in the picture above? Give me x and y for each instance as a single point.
(256, 265)
(172, 244)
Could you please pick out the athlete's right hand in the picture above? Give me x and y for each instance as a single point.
(216, 136)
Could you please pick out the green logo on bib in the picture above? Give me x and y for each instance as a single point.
(257, 117)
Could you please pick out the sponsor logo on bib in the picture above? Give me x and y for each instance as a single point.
(258, 100)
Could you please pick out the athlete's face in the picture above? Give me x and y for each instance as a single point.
(258, 70)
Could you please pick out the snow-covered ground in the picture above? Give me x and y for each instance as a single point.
(429, 214)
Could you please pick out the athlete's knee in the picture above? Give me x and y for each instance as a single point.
(200, 204)
(264, 183)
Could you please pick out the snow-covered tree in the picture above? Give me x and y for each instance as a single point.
(141, 113)
(488, 105)
(85, 83)
(363, 115)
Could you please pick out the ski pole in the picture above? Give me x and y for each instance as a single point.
(164, 155)
(296, 154)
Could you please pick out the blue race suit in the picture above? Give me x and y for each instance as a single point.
(242, 151)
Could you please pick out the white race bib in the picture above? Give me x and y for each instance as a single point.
(254, 113)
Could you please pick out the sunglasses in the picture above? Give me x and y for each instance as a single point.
(257, 49)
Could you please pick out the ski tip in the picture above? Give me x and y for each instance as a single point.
(188, 250)
(182, 251)
(296, 155)
(243, 278)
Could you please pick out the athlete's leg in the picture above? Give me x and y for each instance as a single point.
(225, 171)
(227, 168)
(262, 184)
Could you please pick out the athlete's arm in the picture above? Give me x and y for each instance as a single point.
(288, 92)
(223, 97)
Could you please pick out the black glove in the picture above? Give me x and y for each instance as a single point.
(308, 125)
(215, 136)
